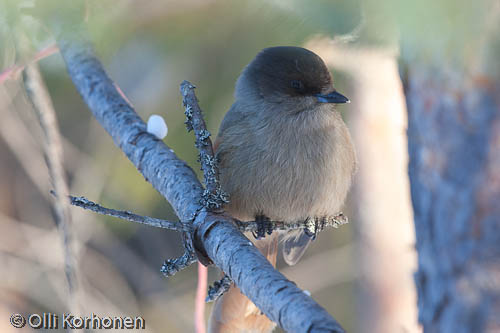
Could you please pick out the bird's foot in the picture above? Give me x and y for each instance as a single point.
(264, 226)
(314, 225)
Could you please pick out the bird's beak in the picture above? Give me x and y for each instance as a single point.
(333, 97)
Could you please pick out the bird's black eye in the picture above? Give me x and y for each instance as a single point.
(297, 85)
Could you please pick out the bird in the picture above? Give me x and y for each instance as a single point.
(284, 154)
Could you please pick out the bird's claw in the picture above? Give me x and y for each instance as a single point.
(313, 227)
(264, 226)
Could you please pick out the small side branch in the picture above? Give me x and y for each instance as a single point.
(13, 71)
(213, 196)
(169, 267)
(172, 266)
(312, 225)
(219, 288)
(126, 215)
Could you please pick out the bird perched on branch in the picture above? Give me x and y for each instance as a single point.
(284, 154)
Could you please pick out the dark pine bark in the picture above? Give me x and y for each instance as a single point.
(454, 146)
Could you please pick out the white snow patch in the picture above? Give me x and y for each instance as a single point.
(157, 126)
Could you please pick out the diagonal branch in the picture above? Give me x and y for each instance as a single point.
(159, 165)
(42, 104)
(214, 234)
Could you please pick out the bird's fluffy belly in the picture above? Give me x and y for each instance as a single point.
(289, 186)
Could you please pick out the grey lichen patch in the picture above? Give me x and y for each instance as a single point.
(189, 116)
(212, 200)
(213, 196)
(314, 225)
(172, 266)
(204, 135)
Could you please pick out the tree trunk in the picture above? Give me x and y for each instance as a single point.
(453, 99)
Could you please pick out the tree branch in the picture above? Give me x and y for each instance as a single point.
(243, 226)
(42, 105)
(213, 197)
(125, 215)
(219, 288)
(214, 234)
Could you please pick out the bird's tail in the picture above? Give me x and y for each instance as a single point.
(234, 312)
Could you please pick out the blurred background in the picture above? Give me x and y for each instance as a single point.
(362, 273)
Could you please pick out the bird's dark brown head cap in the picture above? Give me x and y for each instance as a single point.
(291, 71)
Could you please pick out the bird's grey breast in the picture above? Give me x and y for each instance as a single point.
(289, 168)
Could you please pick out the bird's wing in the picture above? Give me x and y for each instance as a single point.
(234, 116)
